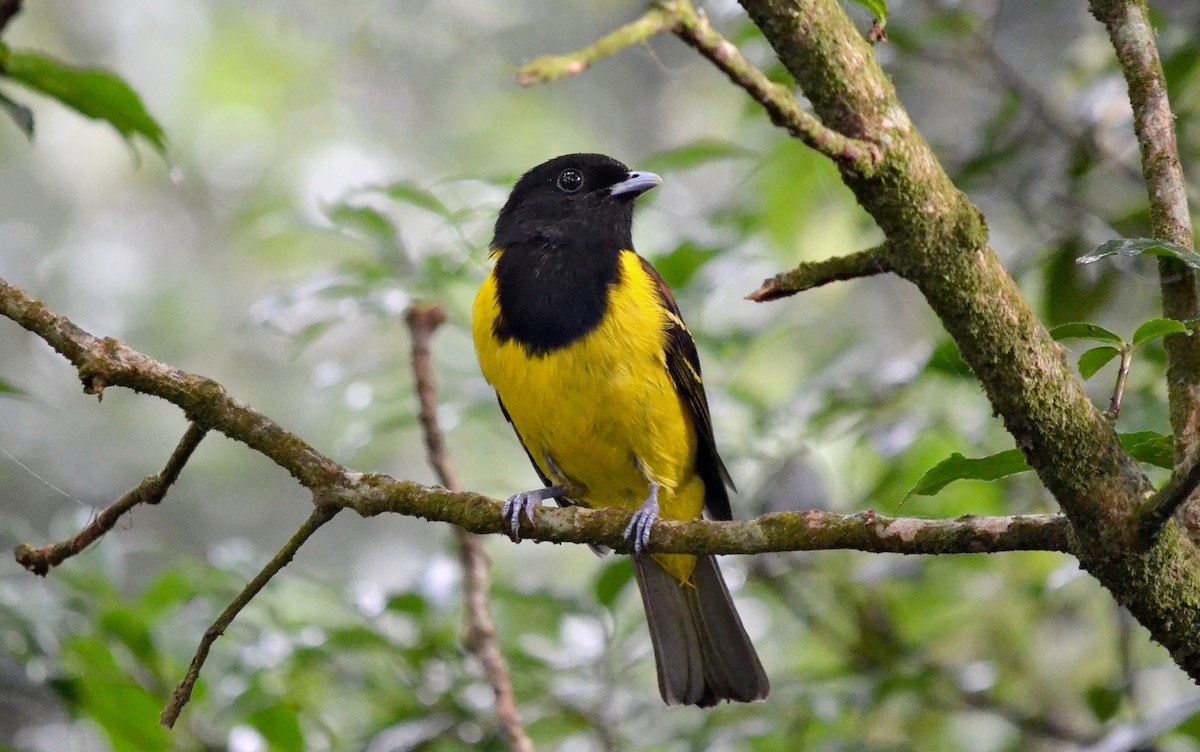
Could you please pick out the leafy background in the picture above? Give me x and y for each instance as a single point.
(327, 164)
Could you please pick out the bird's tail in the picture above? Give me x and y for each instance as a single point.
(701, 649)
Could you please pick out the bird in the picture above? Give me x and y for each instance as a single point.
(599, 377)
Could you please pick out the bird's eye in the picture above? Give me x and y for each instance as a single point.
(570, 180)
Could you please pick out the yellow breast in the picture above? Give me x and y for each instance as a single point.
(602, 409)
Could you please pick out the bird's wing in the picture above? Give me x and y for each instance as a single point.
(528, 454)
(683, 364)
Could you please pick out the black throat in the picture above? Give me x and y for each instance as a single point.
(550, 294)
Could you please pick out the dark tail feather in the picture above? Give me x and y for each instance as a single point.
(701, 649)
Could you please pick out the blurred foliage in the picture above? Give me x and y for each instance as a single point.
(93, 93)
(344, 163)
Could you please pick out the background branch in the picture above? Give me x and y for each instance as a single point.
(183, 692)
(1133, 39)
(151, 490)
(480, 637)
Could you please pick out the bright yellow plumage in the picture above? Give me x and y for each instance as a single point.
(604, 408)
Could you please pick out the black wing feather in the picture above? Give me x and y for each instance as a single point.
(538, 468)
(683, 364)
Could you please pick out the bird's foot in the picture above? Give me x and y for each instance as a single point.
(638, 530)
(523, 504)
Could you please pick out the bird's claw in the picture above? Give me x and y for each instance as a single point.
(637, 532)
(524, 503)
(516, 505)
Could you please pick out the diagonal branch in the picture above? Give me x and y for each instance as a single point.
(553, 67)
(109, 362)
(692, 26)
(151, 490)
(1133, 40)
(183, 692)
(480, 636)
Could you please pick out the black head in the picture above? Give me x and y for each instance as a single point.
(573, 198)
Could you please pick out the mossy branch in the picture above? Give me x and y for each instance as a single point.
(937, 240)
(681, 18)
(810, 274)
(334, 486)
(1133, 40)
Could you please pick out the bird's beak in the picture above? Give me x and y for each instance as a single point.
(635, 184)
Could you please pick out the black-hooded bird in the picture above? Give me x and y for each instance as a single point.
(599, 377)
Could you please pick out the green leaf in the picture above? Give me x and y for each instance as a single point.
(958, 467)
(1150, 447)
(1156, 328)
(279, 725)
(1081, 330)
(1095, 359)
(878, 9)
(408, 603)
(364, 222)
(7, 388)
(679, 266)
(91, 92)
(21, 115)
(414, 195)
(694, 154)
(1103, 701)
(1142, 247)
(945, 359)
(612, 579)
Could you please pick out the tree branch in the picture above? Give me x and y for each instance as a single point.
(151, 490)
(553, 67)
(1133, 40)
(1163, 505)
(682, 19)
(108, 362)
(372, 493)
(692, 27)
(480, 637)
(937, 240)
(810, 274)
(183, 692)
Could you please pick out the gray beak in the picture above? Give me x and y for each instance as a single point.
(635, 184)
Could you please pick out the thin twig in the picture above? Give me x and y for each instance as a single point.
(1133, 39)
(692, 26)
(480, 637)
(1114, 405)
(183, 692)
(151, 490)
(552, 67)
(810, 274)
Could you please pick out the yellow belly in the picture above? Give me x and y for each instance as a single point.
(602, 409)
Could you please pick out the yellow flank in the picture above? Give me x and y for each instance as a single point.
(603, 408)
